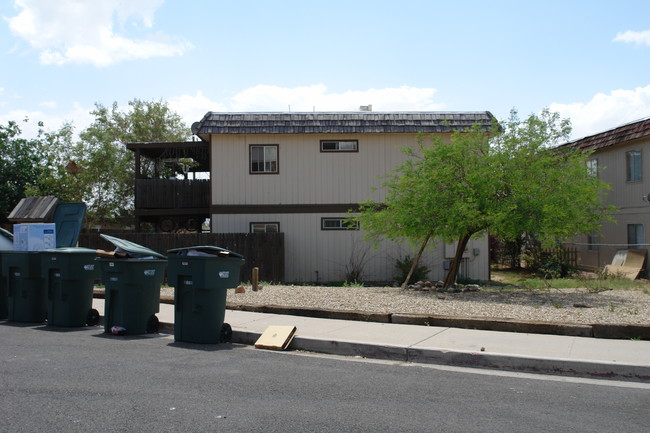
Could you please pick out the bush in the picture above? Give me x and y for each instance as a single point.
(403, 267)
(553, 267)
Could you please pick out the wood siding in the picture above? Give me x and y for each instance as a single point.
(319, 255)
(306, 175)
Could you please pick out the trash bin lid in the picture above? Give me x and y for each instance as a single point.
(207, 249)
(70, 250)
(68, 220)
(131, 247)
(6, 240)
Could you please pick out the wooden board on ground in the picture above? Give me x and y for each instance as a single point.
(627, 264)
(276, 337)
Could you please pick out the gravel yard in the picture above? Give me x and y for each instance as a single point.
(553, 305)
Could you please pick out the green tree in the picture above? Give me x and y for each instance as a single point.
(98, 169)
(20, 166)
(507, 181)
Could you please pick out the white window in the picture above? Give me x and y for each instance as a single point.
(265, 227)
(634, 172)
(338, 224)
(264, 159)
(592, 167)
(339, 145)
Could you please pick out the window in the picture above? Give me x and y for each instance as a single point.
(593, 241)
(592, 167)
(264, 158)
(265, 227)
(635, 236)
(634, 173)
(338, 224)
(339, 145)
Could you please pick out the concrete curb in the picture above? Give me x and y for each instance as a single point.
(607, 331)
(486, 360)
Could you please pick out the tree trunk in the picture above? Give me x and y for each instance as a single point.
(416, 261)
(450, 279)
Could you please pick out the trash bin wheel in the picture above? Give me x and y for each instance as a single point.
(226, 333)
(92, 319)
(153, 324)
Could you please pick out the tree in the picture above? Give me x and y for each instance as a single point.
(507, 181)
(19, 166)
(98, 169)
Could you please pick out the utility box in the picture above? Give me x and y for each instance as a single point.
(34, 237)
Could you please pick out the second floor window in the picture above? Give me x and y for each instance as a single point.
(339, 146)
(592, 167)
(264, 158)
(634, 173)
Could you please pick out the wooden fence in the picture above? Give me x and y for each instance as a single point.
(568, 256)
(262, 250)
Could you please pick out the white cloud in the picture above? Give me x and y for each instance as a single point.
(316, 98)
(84, 32)
(605, 112)
(306, 98)
(641, 38)
(48, 104)
(79, 116)
(192, 108)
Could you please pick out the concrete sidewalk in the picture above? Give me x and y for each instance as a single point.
(550, 354)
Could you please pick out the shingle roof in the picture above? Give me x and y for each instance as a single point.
(622, 134)
(338, 122)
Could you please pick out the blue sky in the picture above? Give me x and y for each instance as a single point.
(589, 60)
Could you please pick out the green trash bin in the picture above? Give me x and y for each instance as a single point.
(132, 296)
(6, 244)
(70, 275)
(26, 287)
(200, 276)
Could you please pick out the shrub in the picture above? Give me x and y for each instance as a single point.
(403, 267)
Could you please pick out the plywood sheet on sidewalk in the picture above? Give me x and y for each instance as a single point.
(276, 337)
(627, 263)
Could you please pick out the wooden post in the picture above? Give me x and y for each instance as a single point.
(256, 278)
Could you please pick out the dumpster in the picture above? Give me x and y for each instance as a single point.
(22, 270)
(6, 244)
(26, 287)
(70, 274)
(200, 276)
(132, 278)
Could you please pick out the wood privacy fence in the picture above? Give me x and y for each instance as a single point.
(262, 250)
(565, 255)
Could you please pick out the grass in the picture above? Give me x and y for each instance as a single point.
(523, 279)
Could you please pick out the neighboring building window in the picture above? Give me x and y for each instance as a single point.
(264, 158)
(339, 145)
(635, 237)
(634, 173)
(338, 224)
(593, 242)
(592, 167)
(265, 227)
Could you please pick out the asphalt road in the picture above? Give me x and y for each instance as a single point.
(56, 379)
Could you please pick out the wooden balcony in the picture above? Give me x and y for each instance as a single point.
(172, 194)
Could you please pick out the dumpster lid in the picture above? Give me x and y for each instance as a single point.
(68, 220)
(133, 249)
(70, 250)
(205, 250)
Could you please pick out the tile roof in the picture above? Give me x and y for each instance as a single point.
(338, 122)
(621, 134)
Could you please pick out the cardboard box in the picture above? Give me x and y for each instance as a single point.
(34, 237)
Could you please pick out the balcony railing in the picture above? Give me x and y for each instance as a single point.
(172, 194)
